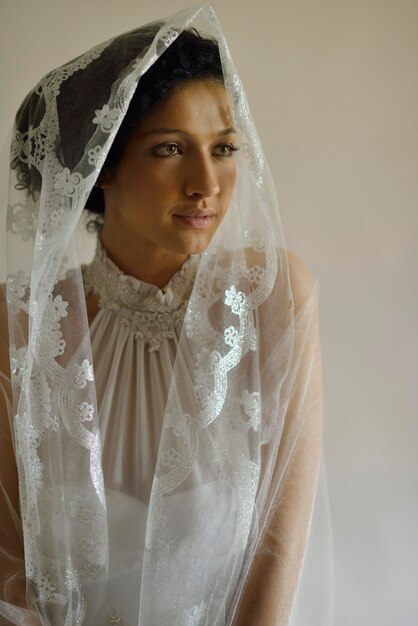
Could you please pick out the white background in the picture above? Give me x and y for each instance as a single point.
(333, 88)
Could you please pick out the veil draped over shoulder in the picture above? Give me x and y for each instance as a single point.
(237, 525)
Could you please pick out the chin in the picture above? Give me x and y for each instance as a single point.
(195, 244)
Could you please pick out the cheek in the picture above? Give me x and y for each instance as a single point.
(157, 179)
(228, 181)
(141, 184)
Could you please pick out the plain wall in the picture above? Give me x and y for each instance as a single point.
(333, 88)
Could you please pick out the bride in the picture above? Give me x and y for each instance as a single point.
(161, 447)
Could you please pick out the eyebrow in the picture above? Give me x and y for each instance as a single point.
(170, 131)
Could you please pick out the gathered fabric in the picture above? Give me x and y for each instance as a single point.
(134, 338)
(161, 458)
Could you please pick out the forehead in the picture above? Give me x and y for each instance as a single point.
(196, 107)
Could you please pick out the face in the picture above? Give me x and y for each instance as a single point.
(174, 183)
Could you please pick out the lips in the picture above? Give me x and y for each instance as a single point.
(196, 220)
(195, 213)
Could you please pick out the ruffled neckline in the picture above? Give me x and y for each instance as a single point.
(151, 312)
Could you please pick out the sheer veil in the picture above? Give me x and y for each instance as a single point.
(240, 447)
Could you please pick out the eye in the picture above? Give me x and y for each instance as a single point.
(225, 149)
(166, 149)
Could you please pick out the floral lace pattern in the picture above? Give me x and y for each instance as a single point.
(152, 316)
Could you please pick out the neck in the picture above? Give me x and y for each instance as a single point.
(138, 259)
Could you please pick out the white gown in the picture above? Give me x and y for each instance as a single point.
(134, 338)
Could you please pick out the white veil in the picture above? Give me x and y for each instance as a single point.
(243, 423)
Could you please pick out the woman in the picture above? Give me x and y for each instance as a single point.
(167, 411)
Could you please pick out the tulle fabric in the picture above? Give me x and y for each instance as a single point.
(235, 491)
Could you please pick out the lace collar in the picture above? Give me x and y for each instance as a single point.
(151, 312)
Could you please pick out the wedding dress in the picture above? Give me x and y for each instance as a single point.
(134, 338)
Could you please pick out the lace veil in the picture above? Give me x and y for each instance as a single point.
(243, 423)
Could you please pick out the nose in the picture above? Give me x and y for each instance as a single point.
(201, 177)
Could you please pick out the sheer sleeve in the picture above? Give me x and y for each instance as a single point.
(272, 580)
(13, 602)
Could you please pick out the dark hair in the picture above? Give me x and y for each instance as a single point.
(189, 58)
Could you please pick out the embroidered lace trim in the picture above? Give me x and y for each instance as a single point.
(151, 313)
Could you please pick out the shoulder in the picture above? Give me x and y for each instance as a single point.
(302, 281)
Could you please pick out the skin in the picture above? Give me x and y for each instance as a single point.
(180, 159)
